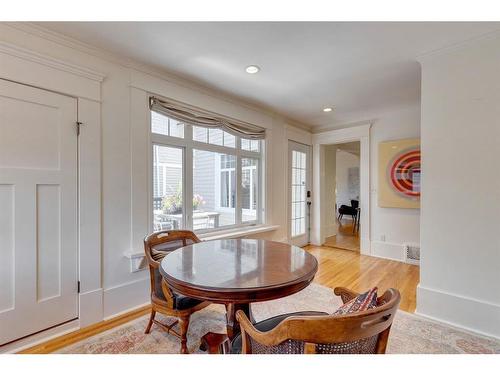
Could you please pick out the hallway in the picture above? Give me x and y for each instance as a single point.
(345, 238)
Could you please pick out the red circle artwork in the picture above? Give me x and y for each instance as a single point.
(404, 173)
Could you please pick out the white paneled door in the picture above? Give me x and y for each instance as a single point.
(38, 210)
(299, 184)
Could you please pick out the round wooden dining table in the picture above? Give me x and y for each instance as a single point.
(237, 272)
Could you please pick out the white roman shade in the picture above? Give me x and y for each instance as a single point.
(197, 117)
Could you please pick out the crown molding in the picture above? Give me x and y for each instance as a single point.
(49, 61)
(323, 129)
(422, 58)
(125, 61)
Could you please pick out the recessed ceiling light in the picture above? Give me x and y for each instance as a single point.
(252, 69)
(327, 109)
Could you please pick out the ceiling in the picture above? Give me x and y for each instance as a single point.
(357, 68)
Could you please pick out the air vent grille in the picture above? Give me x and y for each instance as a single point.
(412, 253)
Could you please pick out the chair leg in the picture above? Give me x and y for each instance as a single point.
(183, 326)
(151, 320)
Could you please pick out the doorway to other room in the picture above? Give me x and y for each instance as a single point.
(342, 185)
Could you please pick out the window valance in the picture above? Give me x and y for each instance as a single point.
(198, 117)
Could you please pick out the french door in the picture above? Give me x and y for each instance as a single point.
(299, 187)
(38, 210)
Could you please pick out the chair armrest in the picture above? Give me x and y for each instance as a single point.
(167, 293)
(345, 294)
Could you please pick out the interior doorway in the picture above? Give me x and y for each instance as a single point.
(342, 183)
(343, 179)
(324, 211)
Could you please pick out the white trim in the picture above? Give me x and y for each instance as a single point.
(223, 234)
(91, 307)
(424, 57)
(239, 232)
(342, 125)
(140, 69)
(41, 71)
(123, 312)
(89, 231)
(465, 312)
(52, 62)
(119, 298)
(388, 250)
(359, 133)
(30, 68)
(301, 239)
(40, 337)
(188, 145)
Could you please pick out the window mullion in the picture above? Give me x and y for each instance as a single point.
(188, 187)
(238, 213)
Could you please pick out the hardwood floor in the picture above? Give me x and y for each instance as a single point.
(360, 272)
(336, 268)
(72, 337)
(345, 238)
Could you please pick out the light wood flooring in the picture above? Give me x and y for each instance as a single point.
(360, 272)
(336, 268)
(345, 238)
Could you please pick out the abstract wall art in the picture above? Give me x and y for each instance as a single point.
(399, 173)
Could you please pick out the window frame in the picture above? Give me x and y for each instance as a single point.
(188, 145)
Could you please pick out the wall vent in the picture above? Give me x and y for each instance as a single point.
(412, 253)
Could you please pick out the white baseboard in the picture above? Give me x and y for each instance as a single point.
(126, 296)
(388, 250)
(91, 307)
(40, 337)
(482, 317)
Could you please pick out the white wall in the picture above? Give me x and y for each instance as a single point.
(330, 225)
(344, 161)
(460, 253)
(392, 227)
(125, 154)
(389, 228)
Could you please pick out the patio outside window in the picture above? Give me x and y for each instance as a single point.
(218, 171)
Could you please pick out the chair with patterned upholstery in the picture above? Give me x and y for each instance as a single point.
(163, 299)
(363, 332)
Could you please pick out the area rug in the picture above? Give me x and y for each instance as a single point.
(410, 333)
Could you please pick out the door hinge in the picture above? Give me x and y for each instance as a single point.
(78, 286)
(78, 126)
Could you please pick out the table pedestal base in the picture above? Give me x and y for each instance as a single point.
(233, 327)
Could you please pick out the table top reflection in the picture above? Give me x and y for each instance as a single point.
(238, 265)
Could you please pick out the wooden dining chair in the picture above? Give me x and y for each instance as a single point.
(163, 299)
(364, 332)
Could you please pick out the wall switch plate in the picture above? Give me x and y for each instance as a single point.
(382, 237)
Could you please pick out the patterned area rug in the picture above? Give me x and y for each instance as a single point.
(410, 333)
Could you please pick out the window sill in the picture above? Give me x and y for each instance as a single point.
(237, 232)
(136, 257)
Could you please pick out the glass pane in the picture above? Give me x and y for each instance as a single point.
(176, 128)
(245, 144)
(298, 191)
(159, 123)
(214, 189)
(249, 188)
(215, 136)
(200, 134)
(167, 188)
(229, 140)
(250, 145)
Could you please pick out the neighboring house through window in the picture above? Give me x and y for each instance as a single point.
(210, 166)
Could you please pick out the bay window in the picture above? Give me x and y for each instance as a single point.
(203, 178)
